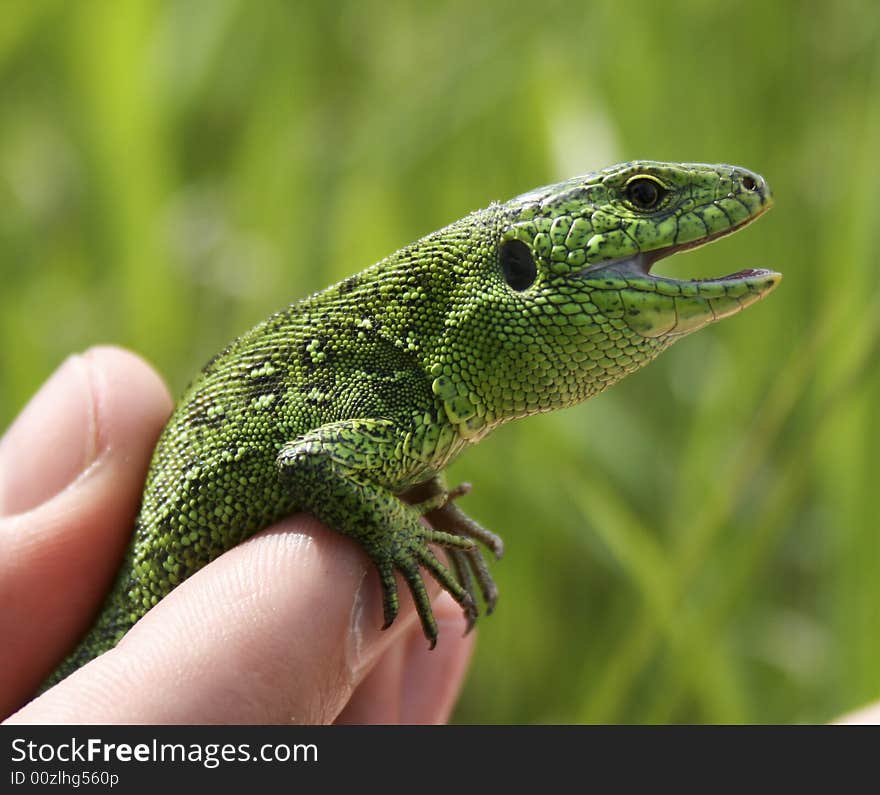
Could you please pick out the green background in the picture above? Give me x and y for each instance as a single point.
(698, 544)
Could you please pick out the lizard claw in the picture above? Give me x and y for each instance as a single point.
(458, 534)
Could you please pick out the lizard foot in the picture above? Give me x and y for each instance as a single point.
(437, 505)
(408, 558)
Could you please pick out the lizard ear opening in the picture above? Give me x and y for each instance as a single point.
(517, 265)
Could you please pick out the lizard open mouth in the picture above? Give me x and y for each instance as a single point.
(657, 305)
(636, 270)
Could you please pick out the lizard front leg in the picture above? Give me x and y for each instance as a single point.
(335, 472)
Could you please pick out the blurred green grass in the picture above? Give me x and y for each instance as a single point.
(699, 544)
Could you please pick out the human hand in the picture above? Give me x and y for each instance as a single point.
(866, 716)
(282, 628)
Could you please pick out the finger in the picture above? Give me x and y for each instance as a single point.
(72, 469)
(281, 628)
(412, 684)
(865, 716)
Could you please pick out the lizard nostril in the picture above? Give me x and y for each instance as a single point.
(749, 183)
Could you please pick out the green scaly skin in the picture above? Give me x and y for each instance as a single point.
(350, 403)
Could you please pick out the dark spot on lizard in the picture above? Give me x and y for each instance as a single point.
(349, 284)
(213, 360)
(203, 420)
(261, 383)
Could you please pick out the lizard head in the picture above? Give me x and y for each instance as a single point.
(571, 295)
(602, 234)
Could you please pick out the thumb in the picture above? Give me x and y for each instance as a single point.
(72, 468)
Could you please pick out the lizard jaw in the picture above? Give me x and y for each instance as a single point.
(637, 273)
(758, 280)
(659, 306)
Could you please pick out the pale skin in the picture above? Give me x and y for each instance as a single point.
(257, 636)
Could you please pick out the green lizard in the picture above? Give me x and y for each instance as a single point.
(350, 403)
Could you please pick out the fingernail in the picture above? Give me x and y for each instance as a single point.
(359, 652)
(366, 638)
(51, 441)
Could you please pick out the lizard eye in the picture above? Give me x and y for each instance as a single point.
(517, 265)
(644, 193)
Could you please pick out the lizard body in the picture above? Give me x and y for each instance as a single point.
(350, 403)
